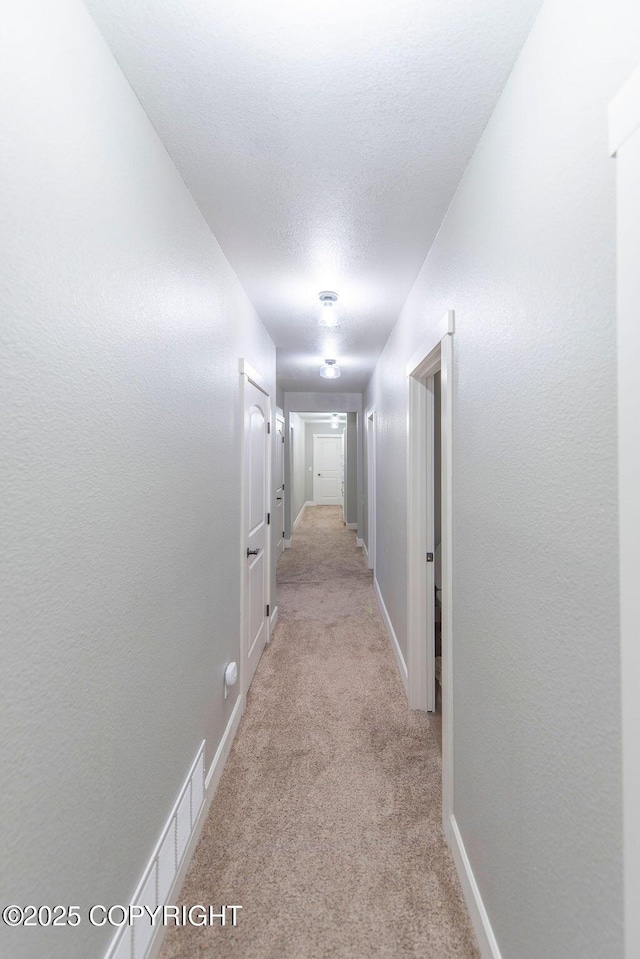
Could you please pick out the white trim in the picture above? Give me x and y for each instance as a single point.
(299, 517)
(220, 758)
(273, 620)
(189, 812)
(370, 416)
(211, 785)
(287, 544)
(253, 376)
(477, 913)
(351, 525)
(446, 325)
(360, 543)
(624, 113)
(395, 645)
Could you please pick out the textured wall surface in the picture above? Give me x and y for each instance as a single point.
(526, 257)
(121, 328)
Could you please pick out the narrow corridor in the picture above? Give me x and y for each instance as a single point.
(326, 826)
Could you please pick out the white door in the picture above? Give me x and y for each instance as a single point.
(279, 518)
(327, 472)
(256, 490)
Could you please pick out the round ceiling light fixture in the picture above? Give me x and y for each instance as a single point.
(329, 370)
(328, 318)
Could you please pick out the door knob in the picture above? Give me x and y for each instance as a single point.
(252, 552)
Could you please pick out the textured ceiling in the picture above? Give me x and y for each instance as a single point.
(323, 143)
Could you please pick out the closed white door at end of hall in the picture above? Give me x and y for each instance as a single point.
(327, 470)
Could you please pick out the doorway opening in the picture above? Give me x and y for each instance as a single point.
(371, 488)
(435, 716)
(429, 547)
(323, 466)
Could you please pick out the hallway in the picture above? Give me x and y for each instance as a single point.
(326, 825)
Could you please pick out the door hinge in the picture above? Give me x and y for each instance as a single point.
(268, 607)
(429, 557)
(268, 427)
(268, 519)
(283, 485)
(283, 439)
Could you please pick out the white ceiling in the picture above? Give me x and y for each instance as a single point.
(323, 142)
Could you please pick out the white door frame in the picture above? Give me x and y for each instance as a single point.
(370, 425)
(437, 354)
(328, 436)
(248, 374)
(624, 139)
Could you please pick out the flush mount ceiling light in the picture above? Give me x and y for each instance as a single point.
(328, 318)
(329, 370)
(335, 421)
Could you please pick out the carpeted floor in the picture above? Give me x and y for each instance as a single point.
(326, 826)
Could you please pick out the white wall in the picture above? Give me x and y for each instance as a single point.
(122, 324)
(526, 257)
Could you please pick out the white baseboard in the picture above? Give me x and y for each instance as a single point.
(273, 620)
(359, 542)
(351, 525)
(299, 516)
(287, 544)
(366, 552)
(477, 913)
(165, 873)
(402, 666)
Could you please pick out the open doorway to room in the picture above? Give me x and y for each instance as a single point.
(370, 419)
(429, 545)
(323, 464)
(435, 716)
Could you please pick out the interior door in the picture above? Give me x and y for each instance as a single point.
(279, 517)
(327, 471)
(256, 488)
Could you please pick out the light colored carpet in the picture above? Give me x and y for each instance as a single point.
(326, 826)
